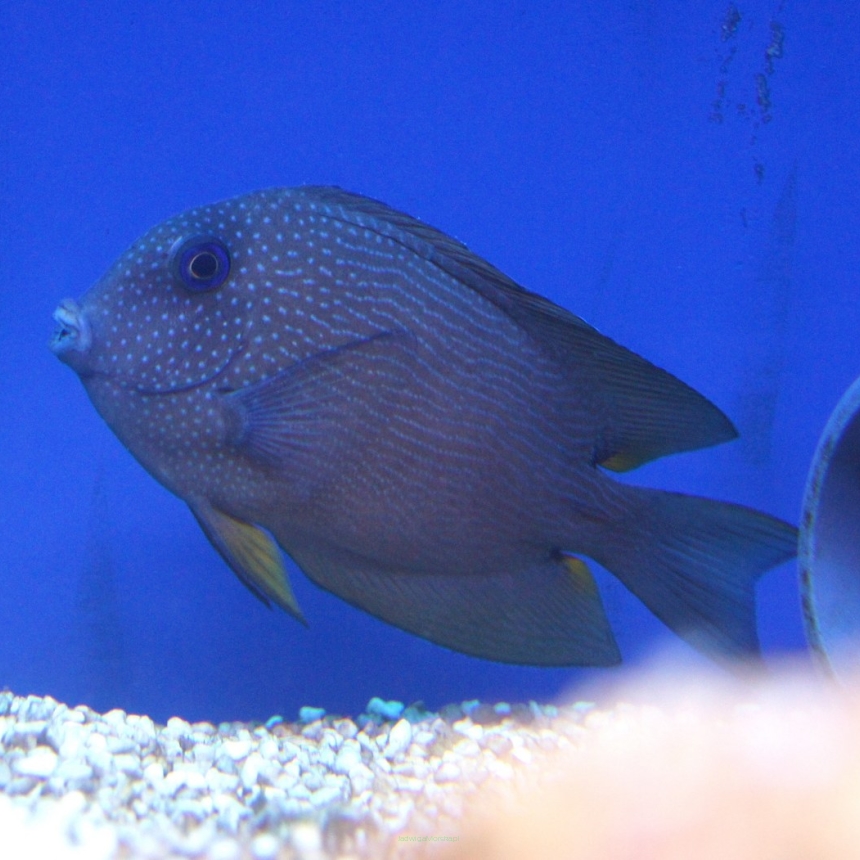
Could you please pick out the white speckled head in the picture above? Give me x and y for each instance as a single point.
(168, 315)
(185, 313)
(210, 301)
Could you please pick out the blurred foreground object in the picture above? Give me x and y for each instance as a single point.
(706, 769)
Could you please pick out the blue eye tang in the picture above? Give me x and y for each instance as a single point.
(202, 263)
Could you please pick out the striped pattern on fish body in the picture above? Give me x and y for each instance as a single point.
(423, 436)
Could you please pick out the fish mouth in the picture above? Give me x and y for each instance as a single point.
(72, 343)
(73, 336)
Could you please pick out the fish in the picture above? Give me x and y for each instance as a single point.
(322, 377)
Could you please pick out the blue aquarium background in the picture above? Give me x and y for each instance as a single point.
(683, 176)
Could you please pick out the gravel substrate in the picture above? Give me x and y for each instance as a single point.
(78, 784)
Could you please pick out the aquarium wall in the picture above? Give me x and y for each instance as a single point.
(682, 178)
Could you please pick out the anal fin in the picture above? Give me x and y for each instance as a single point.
(548, 613)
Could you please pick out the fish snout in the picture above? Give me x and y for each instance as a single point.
(73, 336)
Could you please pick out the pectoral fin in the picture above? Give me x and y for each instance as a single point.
(313, 407)
(252, 554)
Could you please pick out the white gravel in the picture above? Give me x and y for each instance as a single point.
(79, 785)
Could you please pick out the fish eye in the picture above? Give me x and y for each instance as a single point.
(201, 263)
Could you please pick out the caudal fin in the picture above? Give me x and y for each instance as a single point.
(694, 563)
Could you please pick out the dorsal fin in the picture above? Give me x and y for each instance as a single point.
(646, 412)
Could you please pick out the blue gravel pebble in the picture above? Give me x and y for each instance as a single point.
(387, 710)
(416, 712)
(308, 714)
(470, 705)
(6, 699)
(275, 720)
(451, 712)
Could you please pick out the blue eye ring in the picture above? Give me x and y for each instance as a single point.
(202, 263)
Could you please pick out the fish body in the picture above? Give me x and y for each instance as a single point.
(311, 370)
